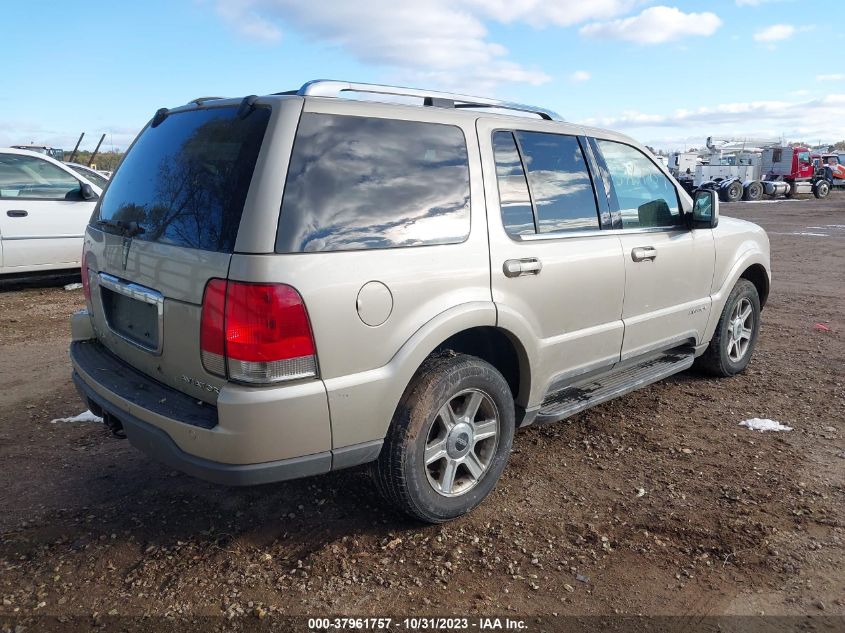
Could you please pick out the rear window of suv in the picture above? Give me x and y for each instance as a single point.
(361, 183)
(185, 181)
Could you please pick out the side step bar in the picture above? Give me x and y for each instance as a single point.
(575, 398)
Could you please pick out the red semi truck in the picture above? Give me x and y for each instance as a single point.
(792, 170)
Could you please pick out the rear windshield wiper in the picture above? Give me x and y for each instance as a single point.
(127, 229)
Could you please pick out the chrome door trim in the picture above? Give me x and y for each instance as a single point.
(559, 235)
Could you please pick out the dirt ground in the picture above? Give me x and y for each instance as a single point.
(731, 521)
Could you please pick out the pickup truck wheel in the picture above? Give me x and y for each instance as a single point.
(449, 440)
(736, 334)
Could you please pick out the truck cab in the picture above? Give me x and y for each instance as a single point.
(792, 170)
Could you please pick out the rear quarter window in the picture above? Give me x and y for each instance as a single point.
(362, 183)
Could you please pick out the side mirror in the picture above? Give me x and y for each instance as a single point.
(87, 192)
(705, 209)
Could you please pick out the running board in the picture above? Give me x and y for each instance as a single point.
(575, 398)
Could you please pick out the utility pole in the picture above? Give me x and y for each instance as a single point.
(96, 149)
(73, 153)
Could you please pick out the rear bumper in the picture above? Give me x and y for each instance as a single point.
(158, 445)
(251, 437)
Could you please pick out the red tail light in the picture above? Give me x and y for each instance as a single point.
(259, 332)
(212, 334)
(86, 282)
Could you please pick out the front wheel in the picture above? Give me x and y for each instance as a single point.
(449, 440)
(821, 189)
(736, 333)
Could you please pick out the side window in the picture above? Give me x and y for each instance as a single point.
(560, 183)
(28, 177)
(514, 199)
(646, 197)
(359, 183)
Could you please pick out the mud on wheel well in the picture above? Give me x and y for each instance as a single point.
(756, 274)
(495, 347)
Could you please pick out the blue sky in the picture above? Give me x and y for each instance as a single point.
(668, 73)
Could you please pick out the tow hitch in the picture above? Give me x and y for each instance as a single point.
(114, 425)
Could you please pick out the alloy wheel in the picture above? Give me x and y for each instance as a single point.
(461, 443)
(740, 330)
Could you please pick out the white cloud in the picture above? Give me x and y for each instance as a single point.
(655, 25)
(775, 33)
(550, 12)
(433, 40)
(831, 77)
(579, 76)
(441, 41)
(756, 3)
(808, 120)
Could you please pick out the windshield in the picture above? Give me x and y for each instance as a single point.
(91, 175)
(185, 181)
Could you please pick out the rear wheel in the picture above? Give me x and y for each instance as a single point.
(753, 192)
(736, 334)
(821, 189)
(449, 440)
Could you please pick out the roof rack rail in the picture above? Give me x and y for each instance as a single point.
(333, 88)
(200, 100)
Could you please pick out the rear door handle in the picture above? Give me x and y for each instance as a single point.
(520, 267)
(642, 253)
(17, 213)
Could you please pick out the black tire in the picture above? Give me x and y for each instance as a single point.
(401, 474)
(821, 189)
(718, 360)
(753, 192)
(733, 192)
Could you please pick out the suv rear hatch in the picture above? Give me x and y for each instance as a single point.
(164, 227)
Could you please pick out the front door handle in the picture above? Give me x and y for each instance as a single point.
(17, 213)
(642, 253)
(520, 267)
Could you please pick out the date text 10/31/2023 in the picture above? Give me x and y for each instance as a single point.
(417, 624)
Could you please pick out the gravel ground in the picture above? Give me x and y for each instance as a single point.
(657, 503)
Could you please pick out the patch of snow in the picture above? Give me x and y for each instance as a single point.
(763, 424)
(85, 416)
(800, 233)
(776, 201)
(75, 286)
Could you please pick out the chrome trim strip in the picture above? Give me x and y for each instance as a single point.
(139, 293)
(559, 235)
(333, 88)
